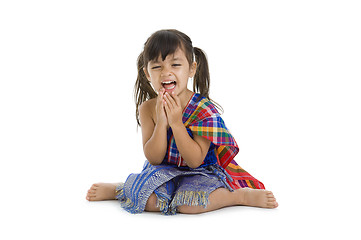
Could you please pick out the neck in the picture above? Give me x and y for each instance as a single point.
(185, 97)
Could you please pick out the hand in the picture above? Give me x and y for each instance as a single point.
(173, 108)
(159, 109)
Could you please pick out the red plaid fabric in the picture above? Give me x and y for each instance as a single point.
(202, 118)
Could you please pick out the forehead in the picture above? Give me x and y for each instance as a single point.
(177, 55)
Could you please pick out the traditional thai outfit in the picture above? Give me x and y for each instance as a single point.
(176, 184)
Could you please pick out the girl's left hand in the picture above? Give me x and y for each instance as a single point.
(173, 109)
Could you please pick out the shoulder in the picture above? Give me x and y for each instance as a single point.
(205, 106)
(147, 109)
(148, 105)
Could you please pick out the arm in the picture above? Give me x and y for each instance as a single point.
(154, 133)
(194, 150)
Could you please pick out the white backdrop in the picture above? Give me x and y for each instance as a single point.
(287, 74)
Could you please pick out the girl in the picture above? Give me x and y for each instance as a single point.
(190, 165)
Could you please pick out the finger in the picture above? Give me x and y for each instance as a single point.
(161, 92)
(159, 103)
(166, 107)
(176, 98)
(161, 98)
(170, 100)
(167, 100)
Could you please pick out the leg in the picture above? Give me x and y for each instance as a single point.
(106, 191)
(219, 198)
(102, 191)
(222, 197)
(151, 205)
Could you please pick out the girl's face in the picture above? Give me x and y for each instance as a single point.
(172, 74)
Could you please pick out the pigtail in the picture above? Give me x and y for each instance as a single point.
(201, 79)
(142, 88)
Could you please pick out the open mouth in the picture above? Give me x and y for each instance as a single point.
(169, 85)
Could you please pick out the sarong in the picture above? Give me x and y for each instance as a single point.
(172, 185)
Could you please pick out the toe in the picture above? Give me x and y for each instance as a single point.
(91, 197)
(92, 194)
(270, 194)
(272, 204)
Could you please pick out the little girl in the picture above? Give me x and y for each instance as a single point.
(190, 165)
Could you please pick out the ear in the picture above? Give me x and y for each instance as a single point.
(193, 69)
(146, 73)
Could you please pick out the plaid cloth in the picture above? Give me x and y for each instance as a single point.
(202, 118)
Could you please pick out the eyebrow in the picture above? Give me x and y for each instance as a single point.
(174, 59)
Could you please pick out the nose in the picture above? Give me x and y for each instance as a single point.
(166, 71)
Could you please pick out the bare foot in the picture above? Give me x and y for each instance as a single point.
(257, 198)
(102, 191)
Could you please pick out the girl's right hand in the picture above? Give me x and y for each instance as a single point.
(162, 119)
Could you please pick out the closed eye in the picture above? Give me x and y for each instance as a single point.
(177, 65)
(155, 67)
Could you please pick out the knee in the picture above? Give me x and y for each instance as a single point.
(190, 209)
(151, 205)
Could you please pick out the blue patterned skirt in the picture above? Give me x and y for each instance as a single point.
(174, 186)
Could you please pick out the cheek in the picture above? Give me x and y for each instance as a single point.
(186, 78)
(153, 78)
(184, 75)
(155, 85)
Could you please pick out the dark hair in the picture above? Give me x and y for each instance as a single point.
(163, 43)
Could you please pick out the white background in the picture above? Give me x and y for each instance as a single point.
(287, 74)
